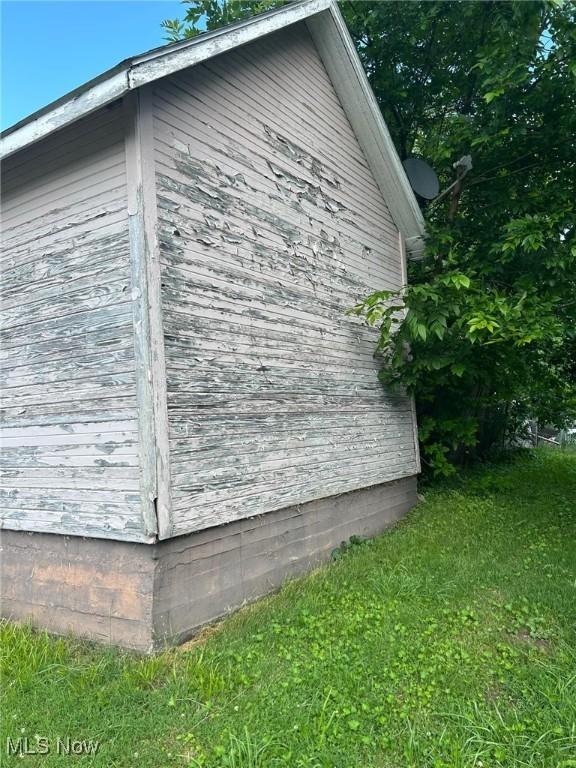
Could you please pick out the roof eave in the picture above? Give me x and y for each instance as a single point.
(155, 64)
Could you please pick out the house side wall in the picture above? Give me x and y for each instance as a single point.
(70, 457)
(271, 226)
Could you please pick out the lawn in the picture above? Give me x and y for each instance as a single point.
(449, 641)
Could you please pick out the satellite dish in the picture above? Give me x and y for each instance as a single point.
(422, 178)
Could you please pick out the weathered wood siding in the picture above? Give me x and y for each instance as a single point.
(69, 461)
(271, 226)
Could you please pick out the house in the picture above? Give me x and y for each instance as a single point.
(189, 415)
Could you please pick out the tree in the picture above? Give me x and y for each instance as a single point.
(486, 338)
(204, 15)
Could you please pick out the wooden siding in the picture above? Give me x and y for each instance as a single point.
(69, 460)
(270, 226)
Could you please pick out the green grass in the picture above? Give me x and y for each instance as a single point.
(448, 641)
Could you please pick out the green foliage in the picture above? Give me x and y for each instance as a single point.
(484, 335)
(447, 642)
(205, 15)
(350, 546)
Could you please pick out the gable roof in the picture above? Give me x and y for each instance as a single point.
(339, 56)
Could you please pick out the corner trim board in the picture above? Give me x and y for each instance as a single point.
(147, 308)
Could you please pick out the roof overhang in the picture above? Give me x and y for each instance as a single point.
(340, 59)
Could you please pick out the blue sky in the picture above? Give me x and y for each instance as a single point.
(49, 48)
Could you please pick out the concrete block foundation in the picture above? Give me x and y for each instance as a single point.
(144, 596)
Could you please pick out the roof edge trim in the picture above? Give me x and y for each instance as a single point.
(153, 66)
(145, 68)
(80, 104)
(340, 58)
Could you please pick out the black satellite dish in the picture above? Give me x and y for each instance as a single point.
(422, 178)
